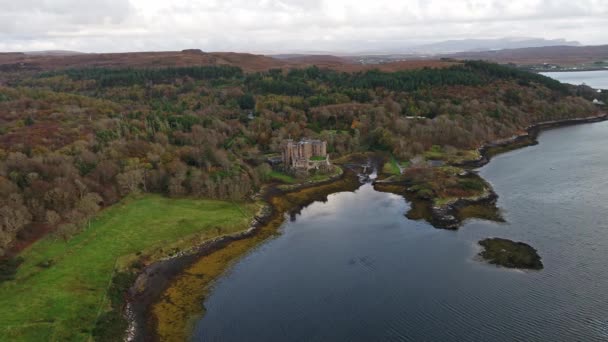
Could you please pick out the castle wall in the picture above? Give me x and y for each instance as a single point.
(298, 154)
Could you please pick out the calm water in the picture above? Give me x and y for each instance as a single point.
(595, 79)
(355, 269)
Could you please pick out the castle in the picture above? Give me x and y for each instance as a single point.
(305, 154)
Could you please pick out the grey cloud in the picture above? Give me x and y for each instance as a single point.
(69, 8)
(279, 25)
(58, 15)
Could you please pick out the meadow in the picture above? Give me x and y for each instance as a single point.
(60, 289)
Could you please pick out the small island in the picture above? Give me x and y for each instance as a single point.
(510, 254)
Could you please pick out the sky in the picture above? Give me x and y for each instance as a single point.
(273, 26)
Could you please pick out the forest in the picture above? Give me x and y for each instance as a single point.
(75, 141)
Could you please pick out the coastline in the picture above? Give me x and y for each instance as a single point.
(155, 278)
(528, 138)
(151, 316)
(449, 215)
(146, 303)
(446, 216)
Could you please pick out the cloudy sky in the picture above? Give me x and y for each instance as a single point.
(288, 25)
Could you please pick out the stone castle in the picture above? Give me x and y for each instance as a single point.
(305, 154)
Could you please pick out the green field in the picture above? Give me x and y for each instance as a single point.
(62, 302)
(282, 177)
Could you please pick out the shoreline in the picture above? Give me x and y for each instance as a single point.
(583, 69)
(157, 278)
(529, 138)
(447, 216)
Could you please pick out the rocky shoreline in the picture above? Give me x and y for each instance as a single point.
(445, 216)
(157, 277)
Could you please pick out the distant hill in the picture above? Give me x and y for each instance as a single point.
(563, 55)
(500, 50)
(194, 57)
(49, 61)
(313, 59)
(467, 45)
(559, 55)
(53, 53)
(407, 47)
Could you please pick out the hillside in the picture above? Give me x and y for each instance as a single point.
(25, 62)
(39, 62)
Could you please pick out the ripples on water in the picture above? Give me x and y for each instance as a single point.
(355, 269)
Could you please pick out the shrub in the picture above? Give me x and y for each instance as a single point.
(471, 184)
(8, 268)
(110, 326)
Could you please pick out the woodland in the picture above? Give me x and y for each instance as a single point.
(75, 141)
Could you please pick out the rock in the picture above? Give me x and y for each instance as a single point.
(442, 218)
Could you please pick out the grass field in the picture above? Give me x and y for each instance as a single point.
(283, 177)
(62, 302)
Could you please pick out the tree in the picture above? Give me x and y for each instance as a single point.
(89, 205)
(52, 218)
(13, 217)
(247, 101)
(67, 230)
(130, 181)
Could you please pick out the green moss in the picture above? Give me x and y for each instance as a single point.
(510, 254)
